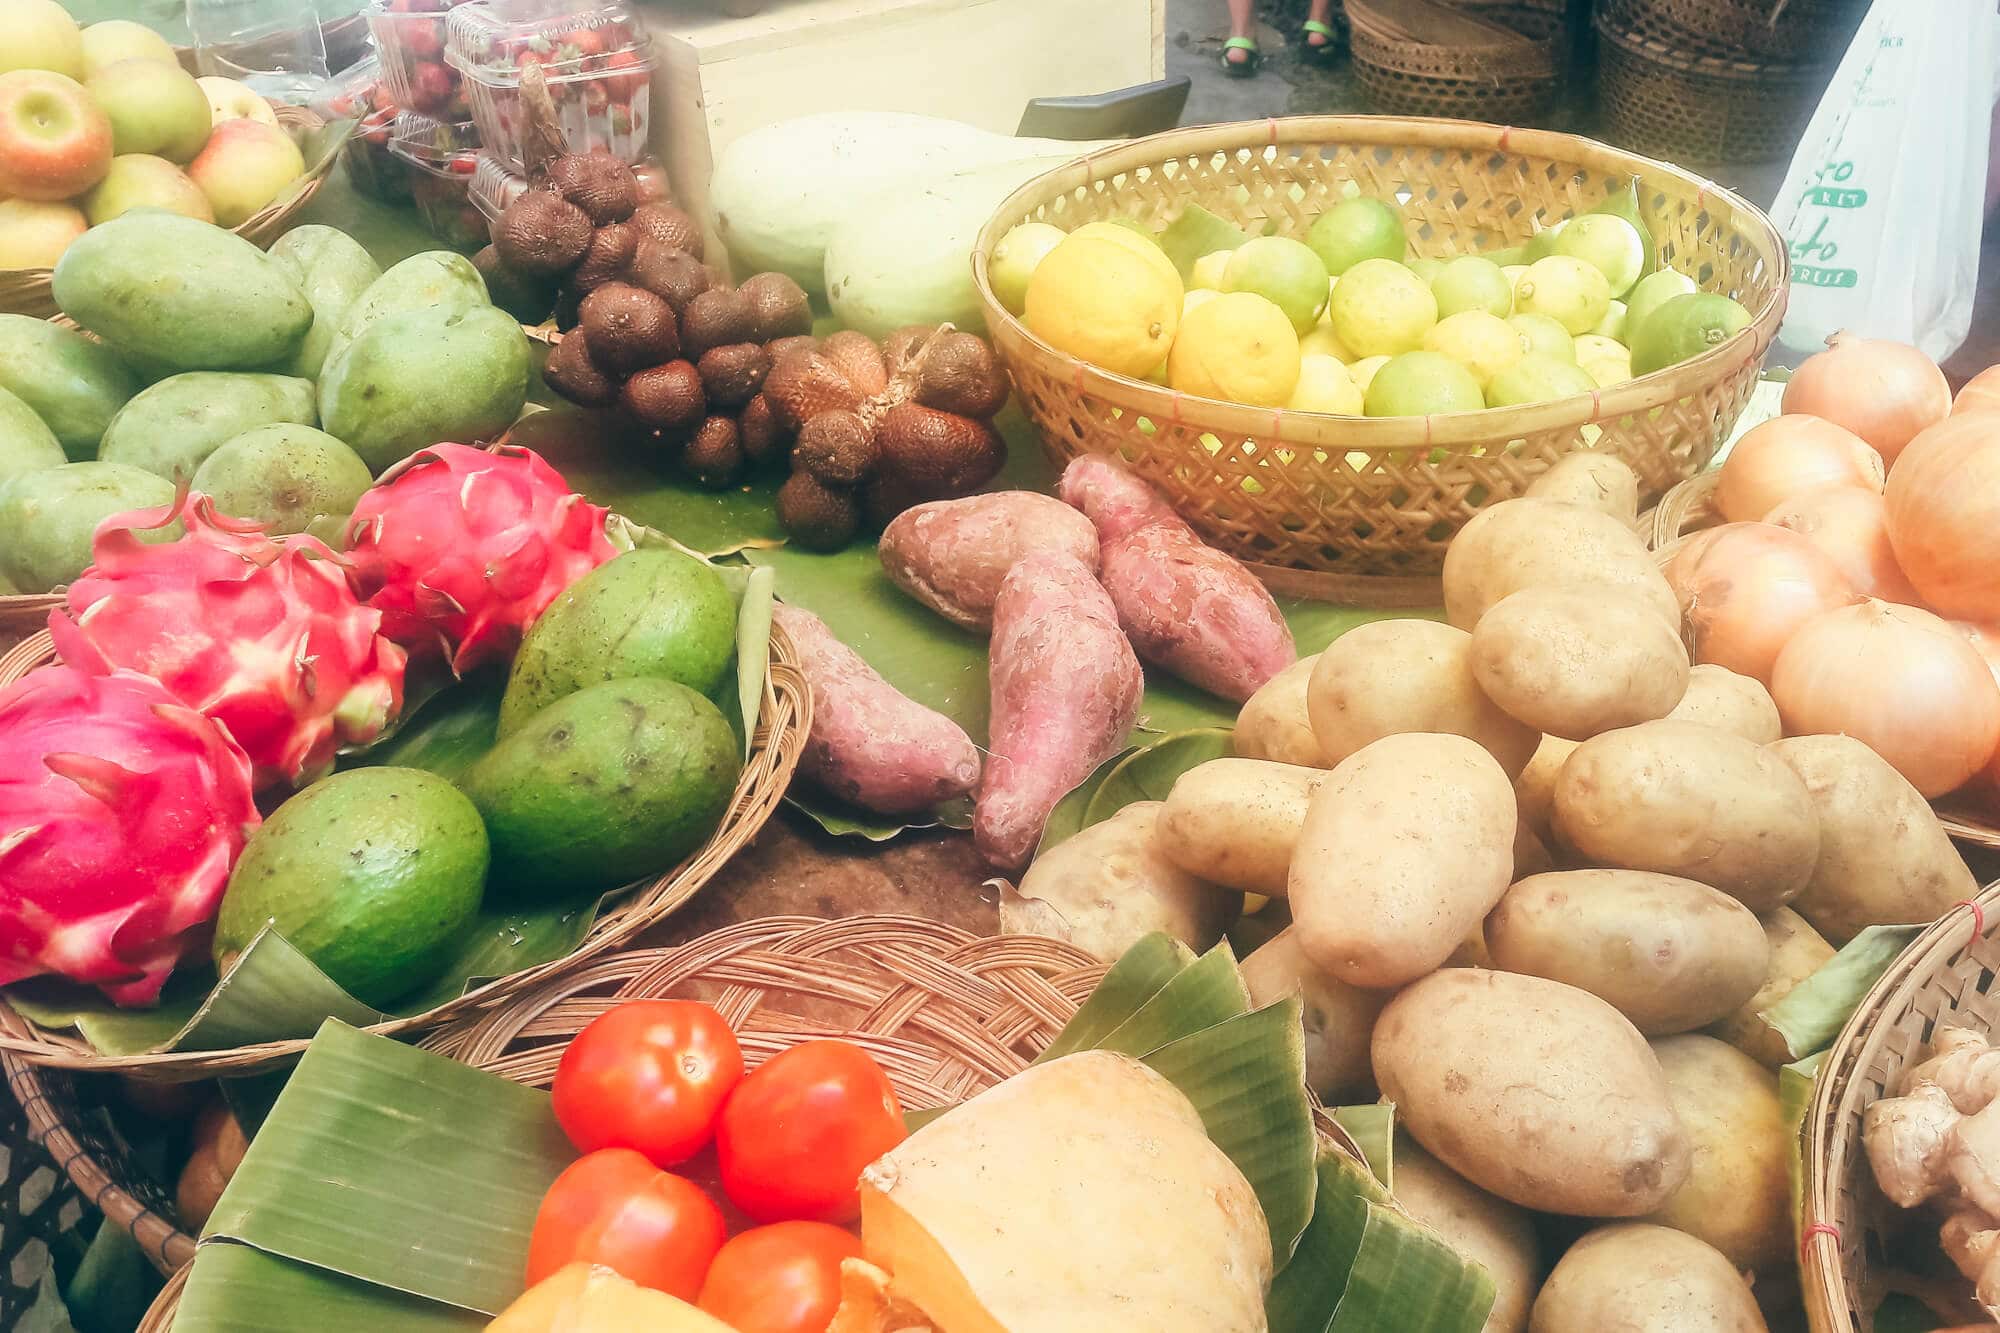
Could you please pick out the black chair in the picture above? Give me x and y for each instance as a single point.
(1145, 108)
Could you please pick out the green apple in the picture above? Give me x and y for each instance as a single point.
(114, 40)
(139, 180)
(245, 166)
(230, 100)
(40, 34)
(34, 234)
(154, 108)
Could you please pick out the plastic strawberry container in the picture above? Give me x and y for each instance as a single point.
(357, 93)
(441, 159)
(597, 63)
(494, 186)
(409, 39)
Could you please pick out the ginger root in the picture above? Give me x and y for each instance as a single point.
(1909, 1143)
(1973, 1245)
(1964, 1065)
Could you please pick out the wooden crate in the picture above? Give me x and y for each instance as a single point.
(979, 61)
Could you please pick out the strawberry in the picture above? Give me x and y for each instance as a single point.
(432, 86)
(423, 40)
(624, 86)
(586, 41)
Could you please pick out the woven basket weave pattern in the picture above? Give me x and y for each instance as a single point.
(1662, 100)
(1510, 84)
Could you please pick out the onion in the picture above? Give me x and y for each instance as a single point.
(1884, 392)
(1744, 588)
(1850, 526)
(1788, 456)
(1981, 391)
(1943, 503)
(1898, 679)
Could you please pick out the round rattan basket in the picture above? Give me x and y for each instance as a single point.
(783, 721)
(28, 291)
(1510, 82)
(1360, 510)
(1794, 32)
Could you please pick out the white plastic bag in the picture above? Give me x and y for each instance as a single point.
(1883, 204)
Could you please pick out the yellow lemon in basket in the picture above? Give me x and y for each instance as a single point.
(1484, 344)
(1206, 272)
(1239, 348)
(1325, 386)
(1472, 283)
(1418, 384)
(1380, 308)
(1321, 340)
(1567, 290)
(1108, 296)
(1362, 372)
(1609, 244)
(1537, 379)
(1605, 360)
(1544, 336)
(1014, 261)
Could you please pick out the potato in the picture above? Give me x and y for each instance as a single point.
(1338, 1018)
(1737, 1194)
(1406, 845)
(1635, 1278)
(1109, 886)
(1576, 661)
(1594, 480)
(1666, 952)
(1535, 788)
(1235, 821)
(1690, 800)
(1884, 859)
(1392, 677)
(1531, 855)
(1797, 951)
(1274, 723)
(1532, 542)
(1718, 697)
(1532, 1090)
(1491, 1232)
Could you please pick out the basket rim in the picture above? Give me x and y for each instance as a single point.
(784, 721)
(1703, 64)
(1633, 397)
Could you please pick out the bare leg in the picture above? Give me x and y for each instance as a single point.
(1240, 23)
(1318, 13)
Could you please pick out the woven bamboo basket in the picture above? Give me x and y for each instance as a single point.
(1503, 82)
(1946, 978)
(783, 721)
(1791, 32)
(43, 1217)
(28, 291)
(1360, 510)
(946, 1013)
(1659, 98)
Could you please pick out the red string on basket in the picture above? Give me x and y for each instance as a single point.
(1978, 920)
(1817, 1229)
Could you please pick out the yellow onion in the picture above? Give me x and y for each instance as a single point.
(1744, 588)
(1885, 392)
(1943, 504)
(1981, 392)
(1788, 456)
(1850, 526)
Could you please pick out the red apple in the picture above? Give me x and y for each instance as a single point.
(245, 166)
(54, 142)
(40, 34)
(138, 180)
(34, 235)
(153, 108)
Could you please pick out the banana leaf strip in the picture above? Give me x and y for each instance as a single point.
(1138, 975)
(1813, 1012)
(1207, 992)
(1373, 1129)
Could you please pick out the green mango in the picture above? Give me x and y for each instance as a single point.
(47, 518)
(421, 377)
(26, 443)
(334, 270)
(432, 280)
(285, 476)
(73, 384)
(170, 428)
(181, 293)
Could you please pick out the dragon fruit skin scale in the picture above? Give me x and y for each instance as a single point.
(123, 811)
(461, 548)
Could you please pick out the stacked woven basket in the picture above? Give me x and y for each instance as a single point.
(1460, 59)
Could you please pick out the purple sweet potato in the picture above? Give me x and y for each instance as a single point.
(1187, 606)
(871, 745)
(1065, 689)
(951, 554)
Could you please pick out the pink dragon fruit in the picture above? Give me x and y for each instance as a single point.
(262, 636)
(461, 548)
(123, 810)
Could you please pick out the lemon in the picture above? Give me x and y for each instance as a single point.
(1653, 291)
(1613, 324)
(1686, 327)
(1537, 379)
(1325, 386)
(1545, 336)
(1197, 296)
(1595, 346)
(1355, 230)
(1284, 272)
(1321, 340)
(1206, 272)
(1362, 372)
(1472, 283)
(1484, 344)
(1108, 296)
(1609, 244)
(1421, 384)
(1427, 269)
(1572, 293)
(1380, 308)
(1016, 258)
(1239, 348)
(1605, 360)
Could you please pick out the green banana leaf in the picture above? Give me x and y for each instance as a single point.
(1795, 1089)
(1149, 773)
(1138, 975)
(1197, 232)
(1373, 1129)
(1813, 1012)
(236, 1289)
(1067, 819)
(1206, 992)
(844, 821)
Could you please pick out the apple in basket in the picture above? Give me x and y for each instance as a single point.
(246, 165)
(54, 142)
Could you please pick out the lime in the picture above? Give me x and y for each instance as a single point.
(1207, 271)
(1609, 244)
(1422, 384)
(1427, 269)
(1239, 348)
(1613, 324)
(1355, 230)
(1651, 292)
(1572, 293)
(1484, 344)
(1537, 379)
(1684, 327)
(1544, 336)
(1284, 272)
(1513, 273)
(1472, 283)
(1321, 340)
(1513, 254)
(1107, 296)
(1325, 386)
(1380, 308)
(1543, 243)
(1362, 372)
(1015, 259)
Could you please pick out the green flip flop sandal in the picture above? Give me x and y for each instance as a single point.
(1246, 67)
(1324, 51)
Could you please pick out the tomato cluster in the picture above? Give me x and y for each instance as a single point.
(650, 1085)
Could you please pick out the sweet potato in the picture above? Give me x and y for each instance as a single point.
(951, 554)
(1187, 606)
(1065, 691)
(871, 745)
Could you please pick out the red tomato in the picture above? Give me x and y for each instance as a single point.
(793, 1139)
(783, 1278)
(650, 1075)
(617, 1209)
